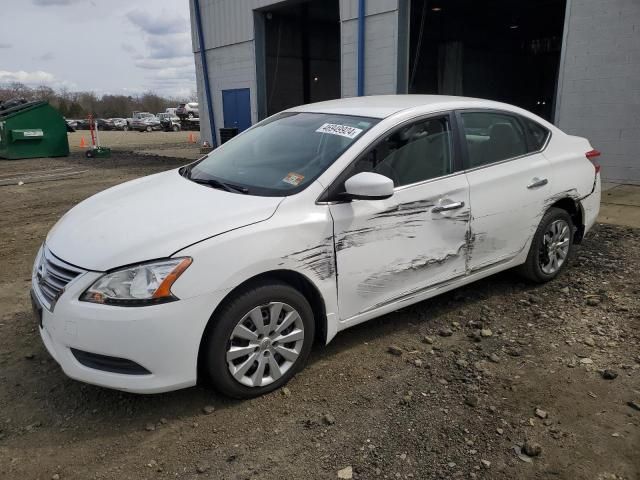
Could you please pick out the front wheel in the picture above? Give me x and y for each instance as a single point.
(149, 129)
(259, 340)
(551, 247)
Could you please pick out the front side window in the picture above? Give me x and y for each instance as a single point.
(492, 137)
(411, 154)
(283, 154)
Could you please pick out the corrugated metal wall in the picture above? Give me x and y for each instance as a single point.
(228, 30)
(599, 90)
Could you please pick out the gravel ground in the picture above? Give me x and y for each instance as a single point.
(497, 380)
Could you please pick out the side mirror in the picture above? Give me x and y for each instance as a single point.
(368, 186)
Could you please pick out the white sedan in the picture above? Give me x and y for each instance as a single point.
(314, 220)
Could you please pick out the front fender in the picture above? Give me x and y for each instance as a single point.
(296, 239)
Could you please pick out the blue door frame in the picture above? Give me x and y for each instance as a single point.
(236, 108)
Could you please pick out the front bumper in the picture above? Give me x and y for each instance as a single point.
(164, 339)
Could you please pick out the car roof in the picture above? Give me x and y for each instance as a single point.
(383, 106)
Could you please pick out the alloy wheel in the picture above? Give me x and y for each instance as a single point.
(265, 344)
(555, 246)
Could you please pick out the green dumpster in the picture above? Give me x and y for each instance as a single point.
(32, 130)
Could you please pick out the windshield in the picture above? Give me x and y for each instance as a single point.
(283, 154)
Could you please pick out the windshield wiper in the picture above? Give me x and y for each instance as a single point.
(220, 185)
(213, 182)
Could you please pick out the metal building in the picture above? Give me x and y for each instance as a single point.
(574, 62)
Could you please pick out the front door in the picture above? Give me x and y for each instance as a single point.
(236, 107)
(386, 249)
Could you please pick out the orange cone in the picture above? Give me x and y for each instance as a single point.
(83, 144)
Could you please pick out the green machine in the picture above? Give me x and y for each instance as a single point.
(32, 130)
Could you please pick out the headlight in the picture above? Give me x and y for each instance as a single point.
(139, 285)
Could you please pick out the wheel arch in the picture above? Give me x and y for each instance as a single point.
(298, 281)
(576, 212)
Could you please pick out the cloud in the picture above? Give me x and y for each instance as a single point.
(45, 57)
(163, 63)
(129, 48)
(5, 45)
(34, 79)
(161, 23)
(48, 3)
(165, 52)
(169, 46)
(30, 78)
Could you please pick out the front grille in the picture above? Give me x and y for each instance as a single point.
(52, 275)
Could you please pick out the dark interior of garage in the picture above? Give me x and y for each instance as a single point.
(496, 49)
(301, 53)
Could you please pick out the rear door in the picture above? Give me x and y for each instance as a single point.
(386, 249)
(509, 183)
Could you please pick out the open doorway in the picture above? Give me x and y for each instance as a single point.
(497, 49)
(300, 46)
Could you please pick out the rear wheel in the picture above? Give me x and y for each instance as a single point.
(176, 128)
(259, 340)
(149, 129)
(551, 247)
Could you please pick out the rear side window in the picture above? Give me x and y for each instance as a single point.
(537, 134)
(492, 137)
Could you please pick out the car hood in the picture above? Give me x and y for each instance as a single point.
(149, 218)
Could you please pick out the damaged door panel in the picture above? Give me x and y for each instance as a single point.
(410, 241)
(509, 184)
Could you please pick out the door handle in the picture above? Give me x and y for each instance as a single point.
(538, 182)
(448, 206)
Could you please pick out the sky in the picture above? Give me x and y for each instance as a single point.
(106, 46)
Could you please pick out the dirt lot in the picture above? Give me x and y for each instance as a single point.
(166, 144)
(456, 397)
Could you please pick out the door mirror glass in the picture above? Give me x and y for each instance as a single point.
(368, 186)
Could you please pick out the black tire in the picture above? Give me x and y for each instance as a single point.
(176, 128)
(532, 269)
(223, 322)
(190, 115)
(89, 153)
(149, 128)
(126, 128)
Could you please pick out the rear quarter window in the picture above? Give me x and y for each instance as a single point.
(536, 133)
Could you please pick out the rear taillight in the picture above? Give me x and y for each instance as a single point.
(592, 156)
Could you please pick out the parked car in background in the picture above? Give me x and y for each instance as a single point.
(104, 124)
(71, 123)
(317, 219)
(187, 110)
(146, 123)
(169, 122)
(82, 124)
(119, 123)
(171, 110)
(136, 116)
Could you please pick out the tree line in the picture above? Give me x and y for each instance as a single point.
(78, 105)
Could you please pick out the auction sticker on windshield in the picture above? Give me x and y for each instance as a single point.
(342, 130)
(293, 178)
